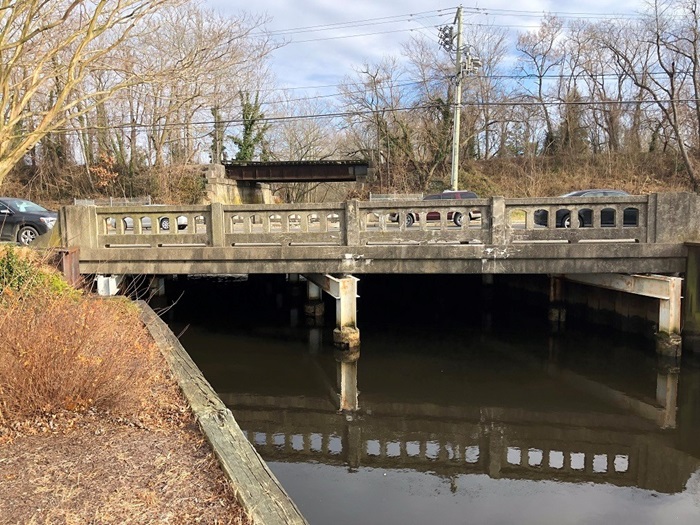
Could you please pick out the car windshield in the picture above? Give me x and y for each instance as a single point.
(24, 206)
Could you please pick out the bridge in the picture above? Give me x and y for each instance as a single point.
(330, 243)
(357, 237)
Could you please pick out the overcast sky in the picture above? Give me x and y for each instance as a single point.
(328, 38)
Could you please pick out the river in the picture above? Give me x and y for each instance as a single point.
(471, 411)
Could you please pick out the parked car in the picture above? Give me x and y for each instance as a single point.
(23, 221)
(163, 221)
(457, 217)
(585, 216)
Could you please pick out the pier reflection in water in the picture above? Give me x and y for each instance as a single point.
(458, 425)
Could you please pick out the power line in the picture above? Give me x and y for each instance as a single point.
(358, 113)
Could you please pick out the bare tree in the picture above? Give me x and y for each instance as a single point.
(670, 38)
(48, 48)
(542, 54)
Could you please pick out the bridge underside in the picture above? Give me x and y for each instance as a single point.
(407, 259)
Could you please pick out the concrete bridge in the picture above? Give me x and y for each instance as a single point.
(616, 243)
(636, 234)
(498, 441)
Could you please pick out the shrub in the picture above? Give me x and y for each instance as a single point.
(66, 352)
(22, 270)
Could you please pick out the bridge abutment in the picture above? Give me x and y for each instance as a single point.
(691, 311)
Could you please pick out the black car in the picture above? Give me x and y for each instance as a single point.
(23, 221)
(446, 195)
(585, 216)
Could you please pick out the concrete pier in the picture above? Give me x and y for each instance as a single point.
(344, 289)
(557, 306)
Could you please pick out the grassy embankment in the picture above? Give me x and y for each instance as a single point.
(93, 428)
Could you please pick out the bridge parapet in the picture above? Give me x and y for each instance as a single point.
(494, 221)
(634, 234)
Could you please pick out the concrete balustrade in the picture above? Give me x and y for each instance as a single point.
(495, 221)
(373, 237)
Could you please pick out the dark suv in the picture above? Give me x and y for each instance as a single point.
(446, 195)
(23, 221)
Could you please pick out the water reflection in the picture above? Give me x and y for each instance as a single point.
(507, 426)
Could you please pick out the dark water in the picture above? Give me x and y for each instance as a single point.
(469, 413)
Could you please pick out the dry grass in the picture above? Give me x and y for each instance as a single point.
(638, 174)
(93, 428)
(63, 353)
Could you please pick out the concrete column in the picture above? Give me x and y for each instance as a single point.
(344, 290)
(352, 223)
(346, 333)
(352, 445)
(108, 285)
(347, 378)
(217, 229)
(487, 302)
(314, 309)
(557, 307)
(315, 340)
(498, 220)
(157, 286)
(78, 226)
(667, 392)
(668, 339)
(496, 452)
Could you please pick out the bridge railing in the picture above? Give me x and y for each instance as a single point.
(494, 221)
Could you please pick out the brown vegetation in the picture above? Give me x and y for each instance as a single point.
(92, 427)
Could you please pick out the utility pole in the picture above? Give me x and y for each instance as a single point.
(458, 103)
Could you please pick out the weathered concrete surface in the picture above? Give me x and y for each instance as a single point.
(439, 259)
(220, 189)
(366, 237)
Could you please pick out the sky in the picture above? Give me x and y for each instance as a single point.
(329, 39)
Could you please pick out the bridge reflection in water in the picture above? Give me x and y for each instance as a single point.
(569, 413)
(500, 442)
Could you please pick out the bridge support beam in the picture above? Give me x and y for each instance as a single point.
(344, 289)
(666, 289)
(108, 285)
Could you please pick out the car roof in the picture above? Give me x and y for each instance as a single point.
(578, 193)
